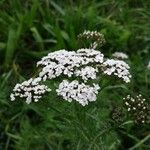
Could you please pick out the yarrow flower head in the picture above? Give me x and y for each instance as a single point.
(84, 63)
(31, 90)
(118, 68)
(79, 92)
(95, 37)
(67, 63)
(87, 73)
(120, 55)
(138, 108)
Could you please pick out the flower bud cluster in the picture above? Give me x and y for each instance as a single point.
(117, 114)
(94, 36)
(31, 90)
(138, 108)
(79, 92)
(120, 55)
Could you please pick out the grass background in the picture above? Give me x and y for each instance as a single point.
(29, 30)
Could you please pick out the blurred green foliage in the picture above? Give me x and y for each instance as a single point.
(29, 30)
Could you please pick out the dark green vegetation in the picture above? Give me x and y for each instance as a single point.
(29, 29)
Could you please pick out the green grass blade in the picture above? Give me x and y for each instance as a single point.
(11, 45)
(140, 143)
(57, 7)
(38, 38)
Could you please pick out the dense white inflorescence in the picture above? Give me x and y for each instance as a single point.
(64, 62)
(87, 73)
(84, 63)
(79, 92)
(118, 68)
(30, 89)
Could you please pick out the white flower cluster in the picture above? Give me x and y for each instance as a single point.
(64, 62)
(118, 68)
(95, 36)
(30, 89)
(79, 92)
(120, 55)
(87, 73)
(84, 63)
